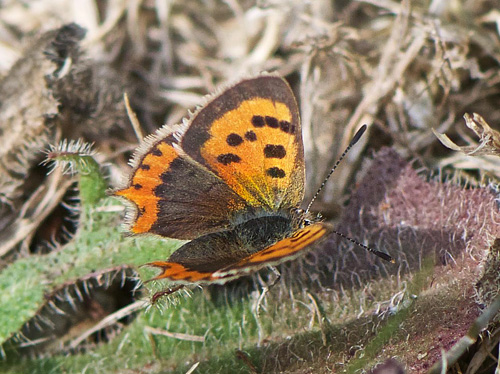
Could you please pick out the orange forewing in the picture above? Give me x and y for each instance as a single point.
(177, 197)
(250, 136)
(248, 177)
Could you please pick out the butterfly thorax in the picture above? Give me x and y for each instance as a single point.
(258, 233)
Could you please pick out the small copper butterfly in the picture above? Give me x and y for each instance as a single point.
(231, 180)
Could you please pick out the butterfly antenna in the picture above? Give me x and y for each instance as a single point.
(354, 140)
(376, 252)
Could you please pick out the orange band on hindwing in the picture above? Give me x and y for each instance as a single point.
(177, 272)
(284, 250)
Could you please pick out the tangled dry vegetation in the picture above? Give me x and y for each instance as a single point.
(421, 185)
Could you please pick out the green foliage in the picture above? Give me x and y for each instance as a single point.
(98, 244)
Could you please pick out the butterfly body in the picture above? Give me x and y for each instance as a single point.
(231, 180)
(233, 245)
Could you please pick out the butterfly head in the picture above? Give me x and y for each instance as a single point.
(302, 218)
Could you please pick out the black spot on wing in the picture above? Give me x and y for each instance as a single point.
(275, 172)
(250, 136)
(258, 121)
(156, 152)
(171, 174)
(234, 140)
(274, 151)
(285, 126)
(141, 211)
(228, 158)
(272, 122)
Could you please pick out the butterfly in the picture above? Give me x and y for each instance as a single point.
(231, 180)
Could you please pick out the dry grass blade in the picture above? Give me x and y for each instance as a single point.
(489, 139)
(176, 335)
(107, 321)
(482, 155)
(192, 368)
(34, 212)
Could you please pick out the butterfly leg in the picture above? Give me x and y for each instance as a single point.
(165, 292)
(266, 288)
(277, 274)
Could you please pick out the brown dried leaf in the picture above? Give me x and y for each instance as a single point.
(489, 139)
